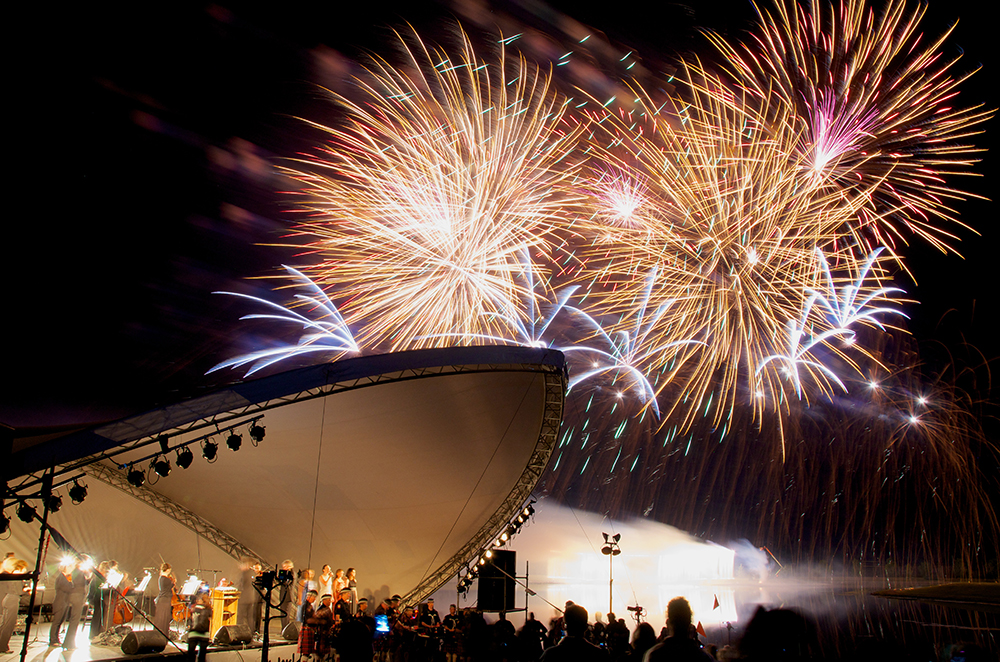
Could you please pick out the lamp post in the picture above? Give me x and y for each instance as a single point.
(611, 550)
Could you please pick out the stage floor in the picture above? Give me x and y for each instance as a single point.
(40, 651)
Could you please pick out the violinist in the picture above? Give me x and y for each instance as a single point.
(164, 599)
(70, 601)
(98, 598)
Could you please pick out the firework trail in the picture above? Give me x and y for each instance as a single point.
(628, 348)
(325, 331)
(429, 191)
(878, 105)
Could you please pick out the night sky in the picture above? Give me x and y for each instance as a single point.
(142, 183)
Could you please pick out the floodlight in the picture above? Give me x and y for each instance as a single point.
(78, 492)
(234, 441)
(257, 433)
(209, 450)
(161, 467)
(26, 513)
(136, 477)
(184, 458)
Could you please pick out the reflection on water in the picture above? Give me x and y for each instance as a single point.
(561, 555)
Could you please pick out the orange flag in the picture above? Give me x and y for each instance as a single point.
(701, 629)
(716, 605)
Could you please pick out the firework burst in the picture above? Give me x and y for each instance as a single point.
(878, 104)
(718, 208)
(425, 196)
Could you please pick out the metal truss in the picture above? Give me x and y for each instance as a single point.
(175, 511)
(555, 396)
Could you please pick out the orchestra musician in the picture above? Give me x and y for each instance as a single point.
(97, 597)
(10, 600)
(164, 599)
(70, 601)
(247, 593)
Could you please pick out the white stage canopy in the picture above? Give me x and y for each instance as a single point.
(402, 466)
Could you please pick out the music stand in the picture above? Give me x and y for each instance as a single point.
(191, 586)
(141, 586)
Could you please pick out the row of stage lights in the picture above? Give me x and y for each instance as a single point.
(486, 556)
(160, 463)
(27, 513)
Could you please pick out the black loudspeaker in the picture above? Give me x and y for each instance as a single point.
(143, 641)
(496, 581)
(229, 635)
(291, 631)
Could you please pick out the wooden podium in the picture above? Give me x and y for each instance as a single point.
(224, 605)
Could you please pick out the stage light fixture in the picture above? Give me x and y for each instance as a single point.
(136, 477)
(184, 458)
(78, 492)
(257, 433)
(26, 513)
(209, 450)
(54, 503)
(234, 441)
(161, 467)
(4, 523)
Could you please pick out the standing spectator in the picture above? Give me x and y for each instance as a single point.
(530, 638)
(680, 646)
(201, 625)
(643, 639)
(574, 647)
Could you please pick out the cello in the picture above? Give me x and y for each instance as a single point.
(179, 609)
(121, 610)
